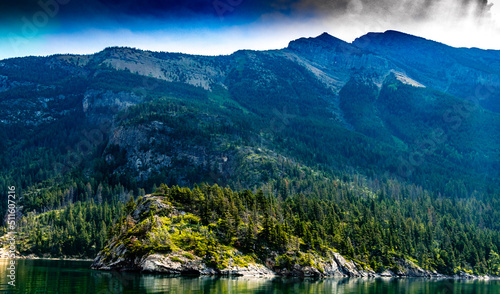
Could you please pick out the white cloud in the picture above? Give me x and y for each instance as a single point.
(446, 21)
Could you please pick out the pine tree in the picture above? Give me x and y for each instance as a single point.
(267, 228)
(250, 235)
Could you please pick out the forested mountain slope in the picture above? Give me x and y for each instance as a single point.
(79, 132)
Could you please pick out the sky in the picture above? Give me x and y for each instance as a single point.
(213, 27)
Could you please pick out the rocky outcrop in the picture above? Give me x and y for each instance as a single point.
(410, 269)
(200, 71)
(179, 264)
(348, 267)
(338, 266)
(154, 235)
(100, 102)
(255, 270)
(175, 264)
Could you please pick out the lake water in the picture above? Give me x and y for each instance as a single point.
(49, 276)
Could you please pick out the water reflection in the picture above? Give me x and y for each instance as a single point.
(47, 276)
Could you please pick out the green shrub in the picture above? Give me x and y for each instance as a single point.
(163, 248)
(191, 219)
(166, 211)
(240, 261)
(284, 261)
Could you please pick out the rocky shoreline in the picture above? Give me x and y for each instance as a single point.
(338, 266)
(32, 256)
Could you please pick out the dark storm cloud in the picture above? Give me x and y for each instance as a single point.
(114, 8)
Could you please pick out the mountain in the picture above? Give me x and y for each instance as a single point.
(465, 73)
(389, 114)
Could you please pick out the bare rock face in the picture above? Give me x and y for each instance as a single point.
(200, 71)
(300, 271)
(4, 83)
(347, 267)
(331, 268)
(410, 269)
(99, 101)
(255, 270)
(172, 264)
(176, 264)
(144, 207)
(387, 273)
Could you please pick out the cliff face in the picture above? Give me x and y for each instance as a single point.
(160, 238)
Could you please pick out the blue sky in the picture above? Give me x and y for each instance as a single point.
(211, 27)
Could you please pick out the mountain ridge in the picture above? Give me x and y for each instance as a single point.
(321, 121)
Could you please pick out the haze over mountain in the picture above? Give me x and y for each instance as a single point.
(389, 113)
(210, 27)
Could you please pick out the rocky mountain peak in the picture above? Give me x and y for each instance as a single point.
(324, 40)
(390, 38)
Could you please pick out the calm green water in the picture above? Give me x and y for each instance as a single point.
(48, 276)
